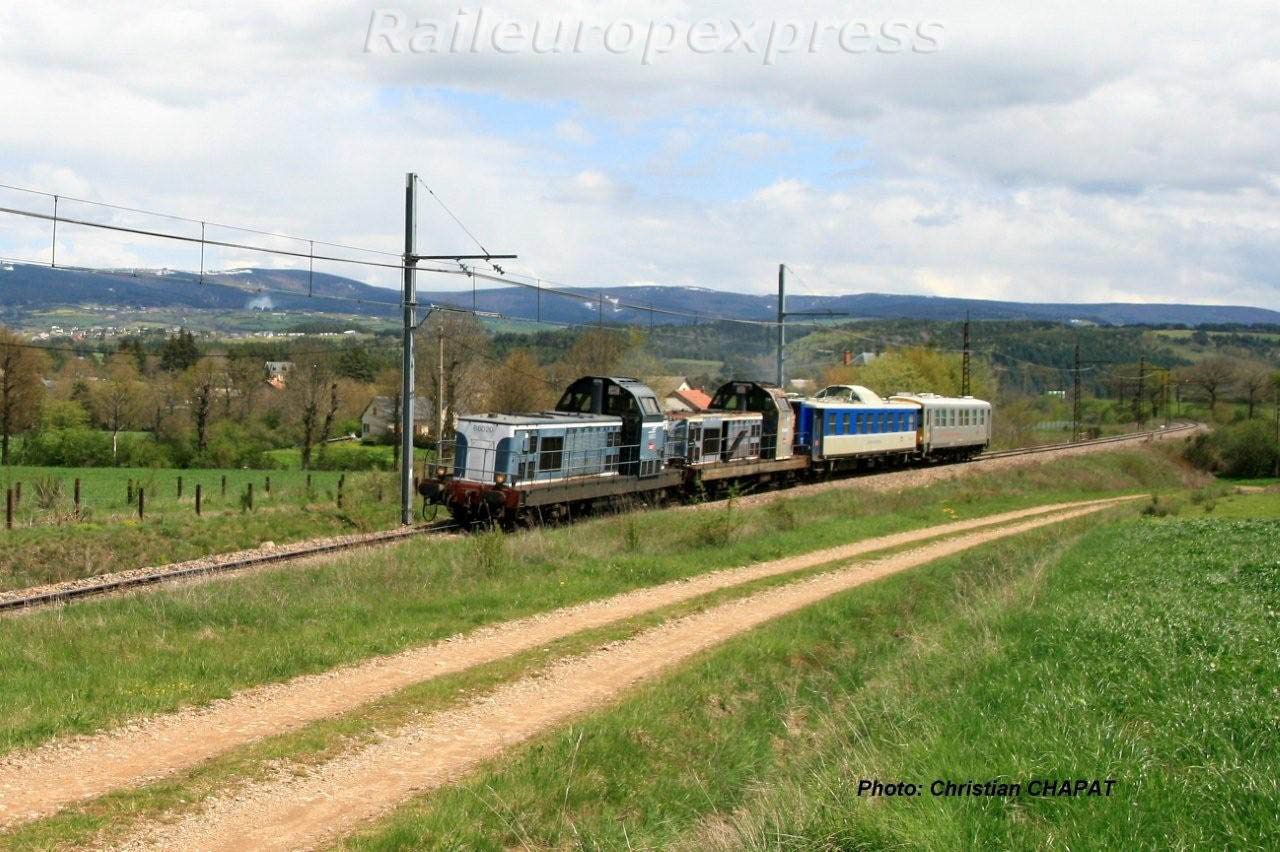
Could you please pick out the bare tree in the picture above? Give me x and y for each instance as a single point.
(467, 364)
(596, 352)
(163, 396)
(117, 399)
(313, 398)
(1213, 376)
(21, 388)
(1252, 384)
(244, 383)
(519, 384)
(201, 383)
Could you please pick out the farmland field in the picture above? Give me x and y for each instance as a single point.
(51, 542)
(1093, 655)
(224, 636)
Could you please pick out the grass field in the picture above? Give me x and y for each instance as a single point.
(192, 644)
(1087, 655)
(50, 542)
(760, 743)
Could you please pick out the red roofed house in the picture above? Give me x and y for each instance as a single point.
(695, 399)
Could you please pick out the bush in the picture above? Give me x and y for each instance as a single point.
(1246, 449)
(75, 446)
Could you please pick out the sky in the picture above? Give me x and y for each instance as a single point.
(1074, 152)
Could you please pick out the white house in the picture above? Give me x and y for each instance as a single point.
(381, 415)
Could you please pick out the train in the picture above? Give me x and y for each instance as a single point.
(609, 444)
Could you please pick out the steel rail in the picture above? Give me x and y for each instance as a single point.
(115, 584)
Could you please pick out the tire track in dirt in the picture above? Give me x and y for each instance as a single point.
(299, 812)
(39, 782)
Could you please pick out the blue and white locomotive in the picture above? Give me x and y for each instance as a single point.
(608, 442)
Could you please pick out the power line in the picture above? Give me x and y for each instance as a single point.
(143, 232)
(453, 216)
(177, 218)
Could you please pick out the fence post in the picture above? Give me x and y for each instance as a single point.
(308, 485)
(250, 496)
(142, 500)
(77, 498)
(8, 509)
(197, 498)
(224, 485)
(268, 485)
(179, 487)
(341, 480)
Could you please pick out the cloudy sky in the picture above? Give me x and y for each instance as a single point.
(1077, 152)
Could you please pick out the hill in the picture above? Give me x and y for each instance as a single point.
(25, 289)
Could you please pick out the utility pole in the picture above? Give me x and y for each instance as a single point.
(410, 299)
(782, 329)
(783, 313)
(406, 367)
(1164, 398)
(1139, 414)
(440, 398)
(1075, 397)
(964, 369)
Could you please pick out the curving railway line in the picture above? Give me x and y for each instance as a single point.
(104, 584)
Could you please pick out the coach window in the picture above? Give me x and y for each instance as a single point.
(846, 423)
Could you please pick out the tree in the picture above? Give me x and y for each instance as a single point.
(596, 352)
(132, 345)
(117, 399)
(244, 385)
(388, 384)
(200, 384)
(161, 401)
(519, 384)
(1213, 376)
(916, 369)
(357, 364)
(313, 399)
(21, 388)
(467, 362)
(179, 352)
(1252, 384)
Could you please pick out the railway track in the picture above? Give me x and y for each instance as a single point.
(1112, 439)
(74, 590)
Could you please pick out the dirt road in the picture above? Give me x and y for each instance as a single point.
(40, 781)
(293, 812)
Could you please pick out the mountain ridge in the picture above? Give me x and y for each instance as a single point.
(26, 288)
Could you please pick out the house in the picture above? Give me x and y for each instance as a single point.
(665, 388)
(278, 369)
(689, 399)
(862, 359)
(381, 415)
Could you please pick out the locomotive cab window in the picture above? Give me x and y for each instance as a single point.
(551, 456)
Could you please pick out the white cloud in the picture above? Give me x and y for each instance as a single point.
(1090, 152)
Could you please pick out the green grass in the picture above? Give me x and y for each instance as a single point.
(96, 663)
(52, 544)
(1044, 656)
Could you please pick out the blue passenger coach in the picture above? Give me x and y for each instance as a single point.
(859, 424)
